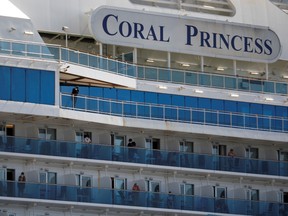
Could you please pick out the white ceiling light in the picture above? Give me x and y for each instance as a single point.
(198, 91)
(234, 95)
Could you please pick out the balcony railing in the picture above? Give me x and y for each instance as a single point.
(140, 199)
(175, 113)
(53, 52)
(143, 156)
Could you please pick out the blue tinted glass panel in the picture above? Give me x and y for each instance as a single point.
(243, 84)
(150, 97)
(281, 88)
(55, 52)
(83, 59)
(5, 47)
(230, 83)
(112, 65)
(93, 61)
(47, 94)
(191, 102)
(131, 70)
(230, 106)
(150, 73)
(268, 110)
(18, 84)
(65, 54)
(137, 96)
(96, 92)
(243, 107)
(5, 81)
(191, 78)
(178, 100)
(33, 86)
(281, 111)
(256, 109)
(164, 75)
(164, 99)
(73, 56)
(217, 104)
(204, 103)
(256, 85)
(204, 79)
(178, 76)
(109, 93)
(269, 87)
(123, 94)
(18, 49)
(218, 81)
(33, 50)
(140, 72)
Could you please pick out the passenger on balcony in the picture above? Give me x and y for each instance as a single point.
(131, 151)
(74, 94)
(135, 193)
(87, 140)
(21, 184)
(231, 154)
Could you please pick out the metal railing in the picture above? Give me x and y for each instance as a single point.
(143, 156)
(174, 113)
(58, 53)
(95, 195)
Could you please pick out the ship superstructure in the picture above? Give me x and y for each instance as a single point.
(143, 107)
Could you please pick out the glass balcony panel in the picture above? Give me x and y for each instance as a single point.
(243, 84)
(157, 112)
(184, 116)
(256, 85)
(131, 70)
(164, 75)
(112, 66)
(191, 78)
(83, 59)
(141, 72)
(19, 49)
(204, 80)
(151, 73)
(5, 47)
(281, 88)
(33, 50)
(117, 108)
(217, 81)
(230, 83)
(64, 54)
(103, 63)
(170, 113)
(93, 61)
(74, 56)
(198, 116)
(269, 87)
(178, 76)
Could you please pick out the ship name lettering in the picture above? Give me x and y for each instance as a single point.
(135, 30)
(227, 41)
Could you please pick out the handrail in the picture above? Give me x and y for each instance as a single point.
(174, 113)
(142, 156)
(58, 53)
(97, 195)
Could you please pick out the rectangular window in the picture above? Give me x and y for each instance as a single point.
(186, 146)
(252, 153)
(47, 133)
(187, 189)
(48, 177)
(84, 181)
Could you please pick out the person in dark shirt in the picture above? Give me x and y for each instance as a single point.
(74, 94)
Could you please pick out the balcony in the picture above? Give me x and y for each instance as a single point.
(175, 114)
(143, 156)
(163, 201)
(52, 52)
